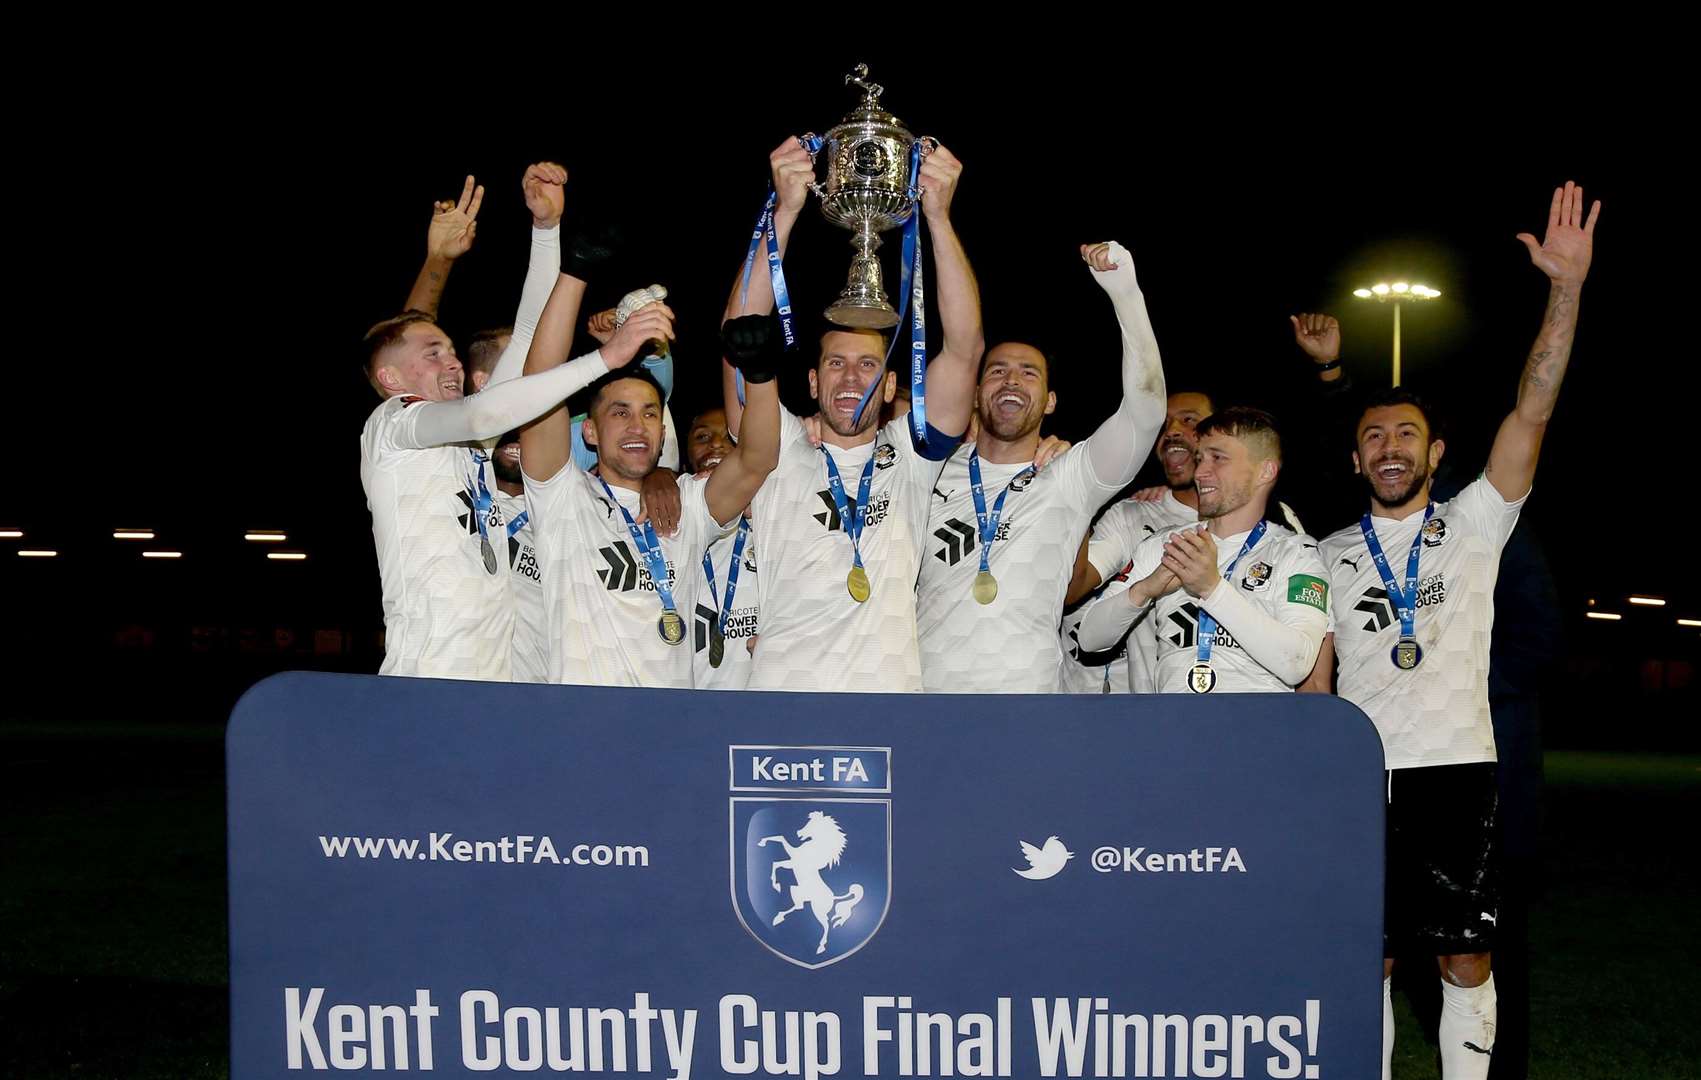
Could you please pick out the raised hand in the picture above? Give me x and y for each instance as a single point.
(940, 172)
(792, 173)
(454, 224)
(601, 326)
(1097, 256)
(654, 323)
(1318, 336)
(544, 186)
(1569, 243)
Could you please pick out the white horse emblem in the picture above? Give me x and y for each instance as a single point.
(823, 845)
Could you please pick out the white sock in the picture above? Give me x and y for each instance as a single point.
(1467, 1030)
(1387, 1029)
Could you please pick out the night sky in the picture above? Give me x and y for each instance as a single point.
(261, 234)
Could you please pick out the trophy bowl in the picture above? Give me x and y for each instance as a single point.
(867, 190)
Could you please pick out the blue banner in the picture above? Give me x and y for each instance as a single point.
(473, 878)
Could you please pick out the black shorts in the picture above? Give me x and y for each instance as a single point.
(1442, 887)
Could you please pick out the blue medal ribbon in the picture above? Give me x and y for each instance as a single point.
(988, 523)
(481, 499)
(518, 523)
(649, 546)
(725, 610)
(852, 520)
(1405, 602)
(1207, 622)
(765, 231)
(911, 298)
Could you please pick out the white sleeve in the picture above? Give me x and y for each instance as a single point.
(1113, 541)
(1108, 618)
(697, 524)
(542, 270)
(1120, 444)
(1483, 506)
(1286, 643)
(487, 414)
(670, 441)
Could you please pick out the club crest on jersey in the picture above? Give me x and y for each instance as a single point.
(1257, 577)
(750, 560)
(1021, 482)
(885, 456)
(1434, 532)
(810, 857)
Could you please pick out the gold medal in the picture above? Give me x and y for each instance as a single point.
(1408, 654)
(986, 587)
(672, 627)
(857, 582)
(1201, 678)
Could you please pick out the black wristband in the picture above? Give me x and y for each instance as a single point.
(582, 252)
(751, 343)
(1330, 366)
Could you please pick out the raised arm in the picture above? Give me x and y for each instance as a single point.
(491, 412)
(951, 374)
(1564, 256)
(752, 344)
(791, 172)
(544, 187)
(447, 238)
(1120, 443)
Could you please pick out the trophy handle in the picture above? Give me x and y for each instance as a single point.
(811, 144)
(928, 145)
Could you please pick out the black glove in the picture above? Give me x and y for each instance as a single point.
(752, 344)
(586, 249)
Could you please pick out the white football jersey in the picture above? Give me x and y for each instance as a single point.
(742, 624)
(1437, 713)
(1116, 535)
(525, 579)
(1282, 576)
(814, 635)
(603, 608)
(1010, 645)
(446, 613)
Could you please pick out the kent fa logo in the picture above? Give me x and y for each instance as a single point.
(621, 573)
(811, 875)
(959, 537)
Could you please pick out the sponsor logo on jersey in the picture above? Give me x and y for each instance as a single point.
(1308, 590)
(1183, 630)
(878, 505)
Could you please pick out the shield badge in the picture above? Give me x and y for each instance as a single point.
(811, 872)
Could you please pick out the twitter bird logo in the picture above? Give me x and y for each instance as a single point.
(1044, 862)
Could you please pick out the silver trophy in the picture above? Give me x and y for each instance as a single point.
(867, 191)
